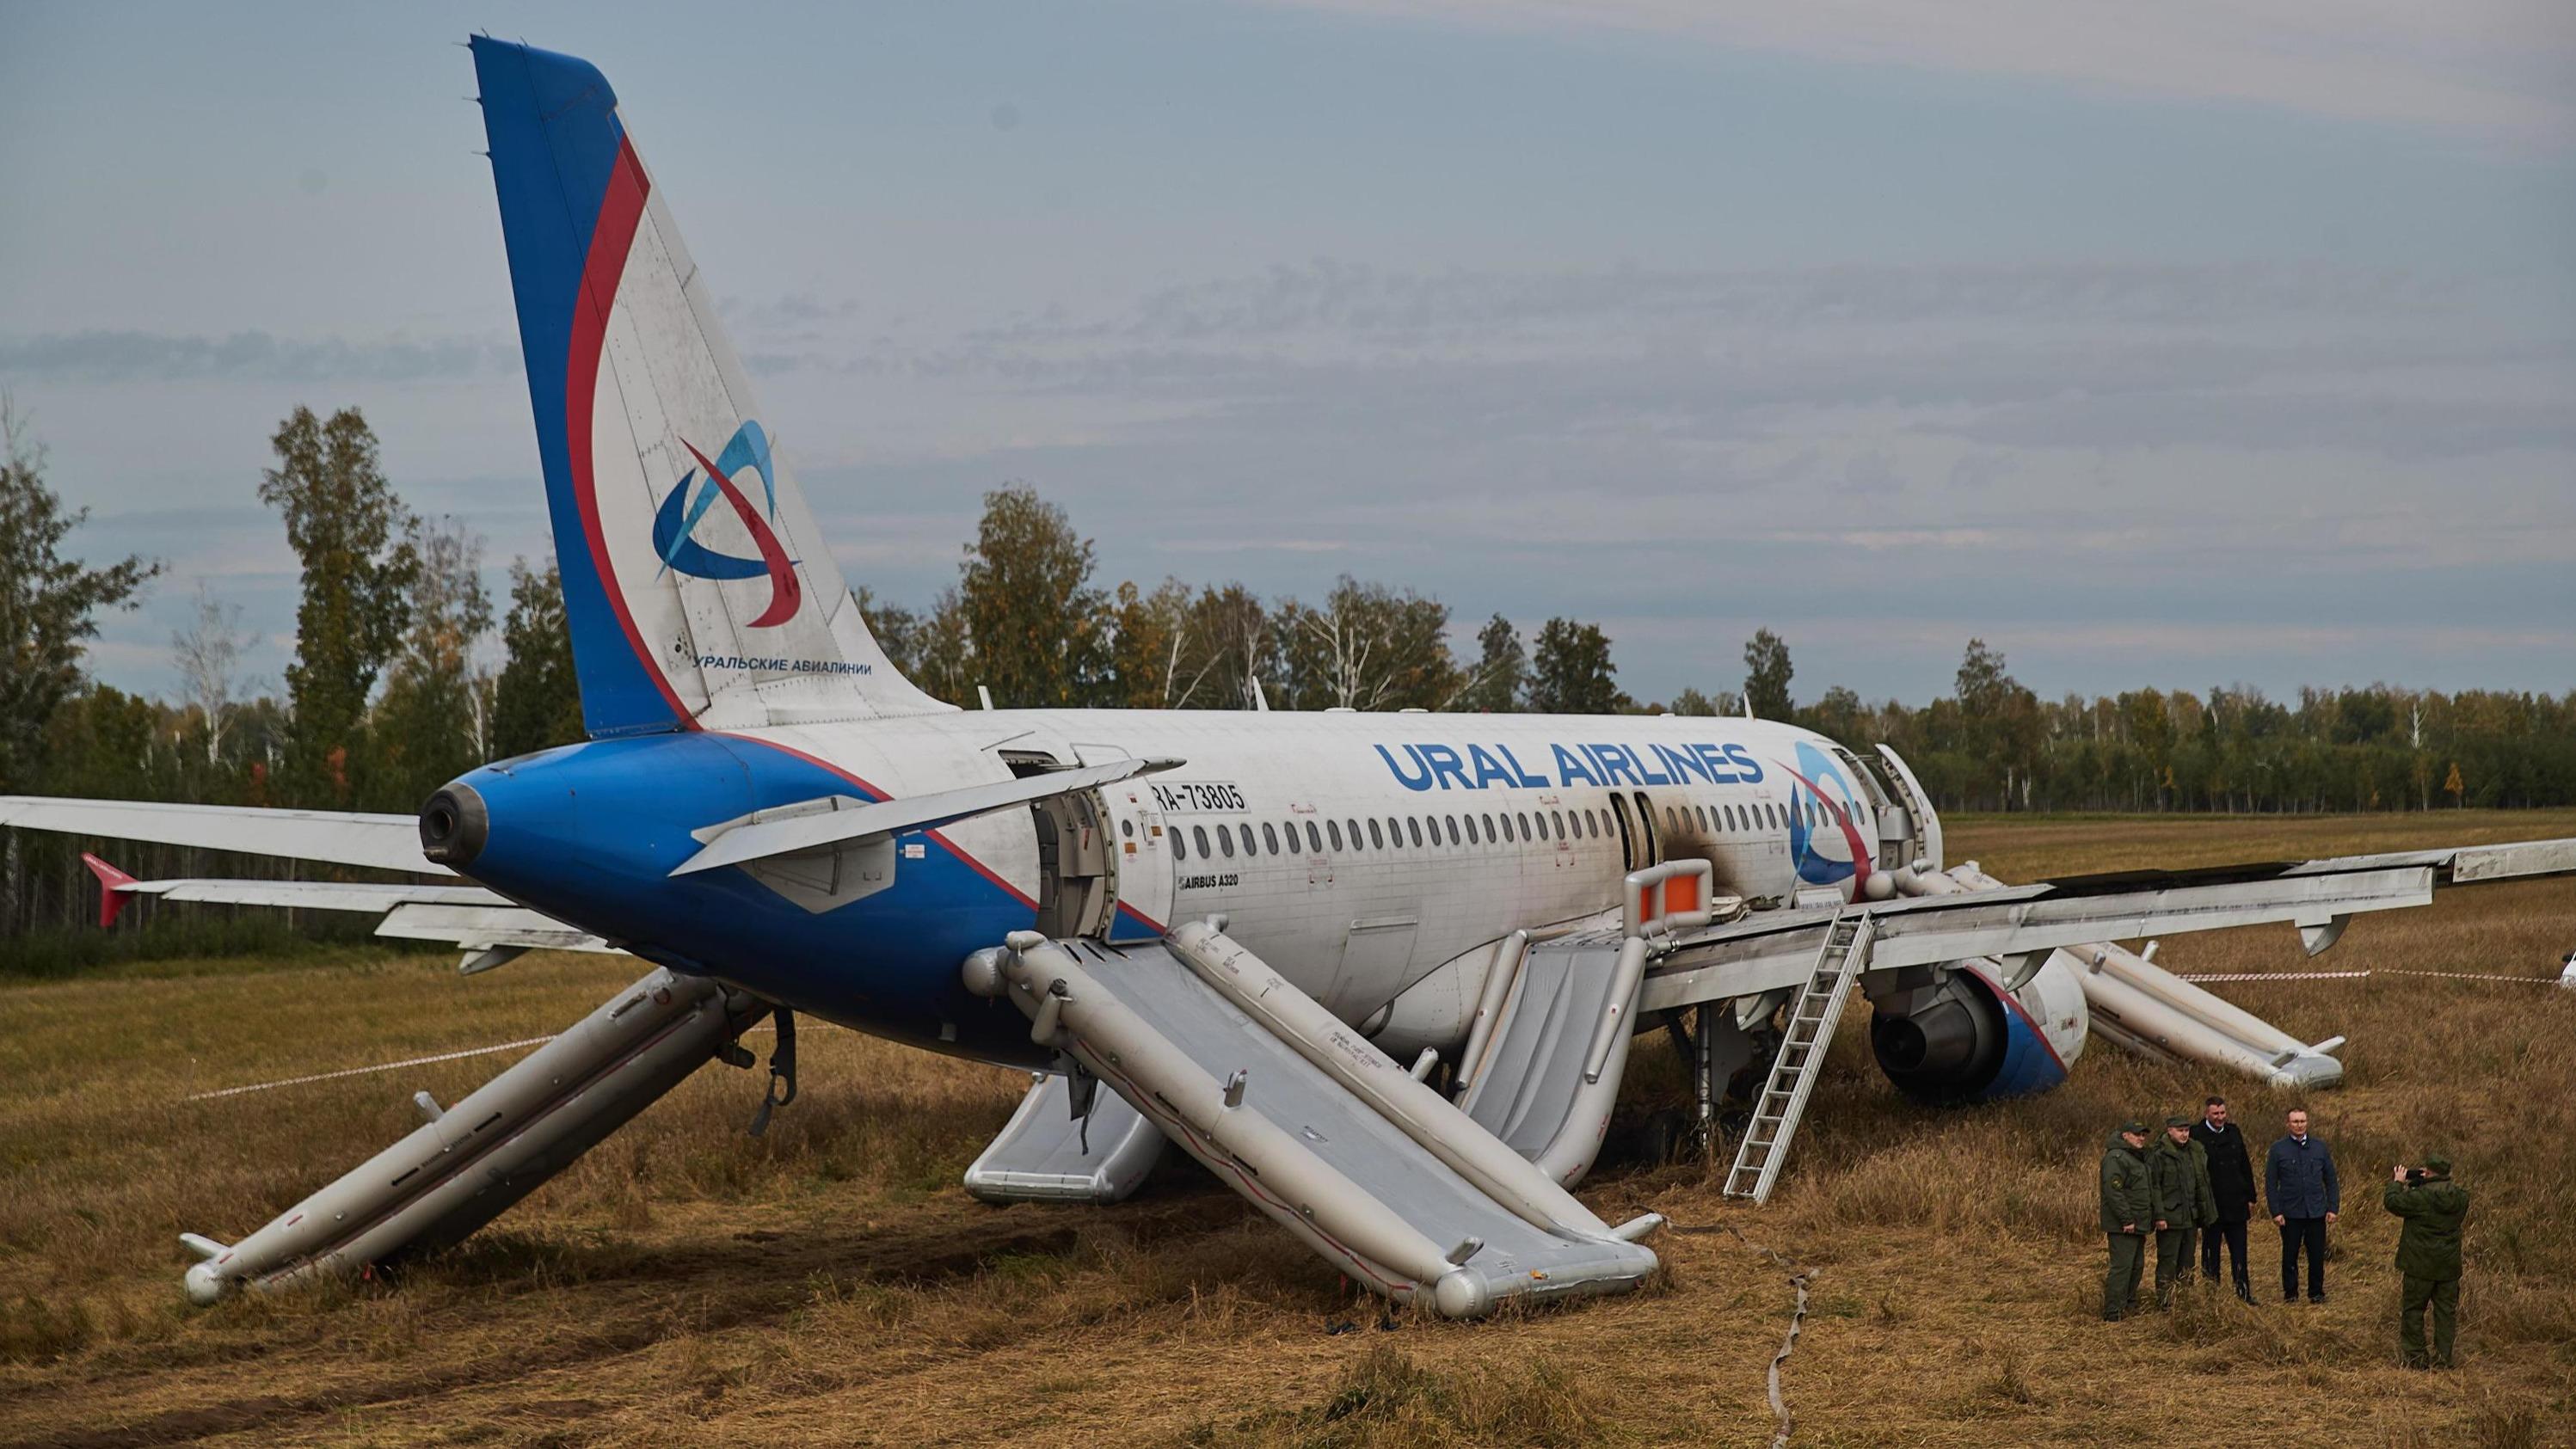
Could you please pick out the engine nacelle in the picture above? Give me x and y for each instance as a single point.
(1957, 1036)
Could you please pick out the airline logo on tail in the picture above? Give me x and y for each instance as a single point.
(675, 524)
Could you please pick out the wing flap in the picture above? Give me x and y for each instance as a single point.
(481, 928)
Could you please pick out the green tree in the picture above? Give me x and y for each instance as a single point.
(896, 629)
(1840, 715)
(433, 723)
(49, 604)
(1571, 672)
(1766, 674)
(1172, 649)
(536, 703)
(360, 564)
(1501, 673)
(1365, 647)
(1693, 702)
(1037, 626)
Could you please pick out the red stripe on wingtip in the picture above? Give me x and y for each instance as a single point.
(621, 211)
(112, 899)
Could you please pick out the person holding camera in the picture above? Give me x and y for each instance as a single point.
(2299, 1182)
(2428, 1255)
(2178, 1172)
(2231, 1182)
(2128, 1211)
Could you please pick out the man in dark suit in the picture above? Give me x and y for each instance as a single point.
(2299, 1182)
(2231, 1181)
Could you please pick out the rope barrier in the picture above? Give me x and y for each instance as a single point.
(1798, 1279)
(362, 1071)
(2357, 975)
(456, 1056)
(2280, 976)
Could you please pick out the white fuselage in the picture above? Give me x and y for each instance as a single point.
(1359, 852)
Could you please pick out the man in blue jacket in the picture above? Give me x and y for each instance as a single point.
(2299, 1183)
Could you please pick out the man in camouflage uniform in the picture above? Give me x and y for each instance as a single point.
(2127, 1216)
(2178, 1183)
(2428, 1254)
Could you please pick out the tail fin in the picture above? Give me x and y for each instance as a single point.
(698, 588)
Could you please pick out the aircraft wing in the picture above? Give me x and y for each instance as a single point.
(1769, 950)
(486, 925)
(840, 819)
(385, 842)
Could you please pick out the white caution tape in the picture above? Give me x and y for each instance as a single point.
(2283, 976)
(2357, 975)
(2470, 976)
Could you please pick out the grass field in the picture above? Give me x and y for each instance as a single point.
(830, 1283)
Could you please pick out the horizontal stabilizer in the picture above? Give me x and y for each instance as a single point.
(385, 842)
(840, 819)
(308, 895)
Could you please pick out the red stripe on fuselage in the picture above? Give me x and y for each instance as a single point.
(621, 211)
(818, 762)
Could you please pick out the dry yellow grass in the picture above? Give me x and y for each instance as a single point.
(830, 1284)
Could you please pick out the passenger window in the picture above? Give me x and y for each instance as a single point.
(1355, 835)
(1180, 851)
(1557, 819)
(1314, 839)
(1394, 833)
(1490, 836)
(1270, 837)
(1127, 828)
(1334, 826)
(1525, 826)
(1246, 829)
(1452, 822)
(1199, 833)
(1377, 837)
(1225, 841)
(1413, 828)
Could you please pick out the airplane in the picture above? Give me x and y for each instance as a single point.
(1379, 972)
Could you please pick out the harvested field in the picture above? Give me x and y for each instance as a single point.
(830, 1284)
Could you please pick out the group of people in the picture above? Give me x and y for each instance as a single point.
(2198, 1179)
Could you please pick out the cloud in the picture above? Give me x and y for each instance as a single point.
(251, 356)
(2503, 69)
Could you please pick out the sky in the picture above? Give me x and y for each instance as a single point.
(2183, 345)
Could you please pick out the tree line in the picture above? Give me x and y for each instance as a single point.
(405, 673)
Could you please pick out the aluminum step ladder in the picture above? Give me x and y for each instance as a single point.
(1812, 1018)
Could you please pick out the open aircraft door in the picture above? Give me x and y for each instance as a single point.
(1141, 865)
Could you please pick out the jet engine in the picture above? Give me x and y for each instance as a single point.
(1953, 1034)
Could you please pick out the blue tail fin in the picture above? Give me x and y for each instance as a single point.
(699, 590)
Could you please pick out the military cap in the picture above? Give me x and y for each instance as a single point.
(2177, 1121)
(2139, 1128)
(2436, 1162)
